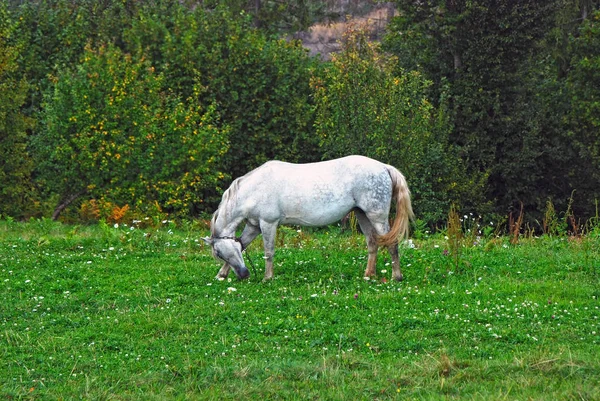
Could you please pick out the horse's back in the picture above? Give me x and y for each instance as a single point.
(346, 166)
(342, 175)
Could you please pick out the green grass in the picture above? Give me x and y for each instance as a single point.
(98, 312)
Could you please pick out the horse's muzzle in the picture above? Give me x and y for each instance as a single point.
(242, 272)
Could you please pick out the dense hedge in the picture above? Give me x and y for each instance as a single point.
(153, 107)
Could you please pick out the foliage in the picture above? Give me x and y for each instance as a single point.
(488, 105)
(56, 33)
(364, 107)
(274, 16)
(15, 164)
(111, 129)
(482, 50)
(210, 59)
(259, 85)
(583, 83)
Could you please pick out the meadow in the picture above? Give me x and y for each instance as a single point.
(133, 311)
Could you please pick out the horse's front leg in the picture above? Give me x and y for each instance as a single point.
(224, 272)
(248, 234)
(269, 232)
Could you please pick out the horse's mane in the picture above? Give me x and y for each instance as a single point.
(228, 202)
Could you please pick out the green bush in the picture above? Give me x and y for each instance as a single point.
(364, 107)
(111, 129)
(260, 86)
(15, 164)
(583, 118)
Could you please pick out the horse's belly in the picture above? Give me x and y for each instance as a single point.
(315, 214)
(311, 220)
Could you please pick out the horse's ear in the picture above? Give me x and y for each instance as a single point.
(208, 240)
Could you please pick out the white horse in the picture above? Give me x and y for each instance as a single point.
(314, 194)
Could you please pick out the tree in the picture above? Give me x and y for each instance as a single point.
(366, 107)
(260, 86)
(15, 163)
(111, 129)
(583, 118)
(482, 50)
(57, 31)
(273, 16)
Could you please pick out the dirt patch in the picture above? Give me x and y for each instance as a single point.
(325, 38)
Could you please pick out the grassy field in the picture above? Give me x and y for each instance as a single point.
(128, 313)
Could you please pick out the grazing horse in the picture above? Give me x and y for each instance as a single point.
(313, 194)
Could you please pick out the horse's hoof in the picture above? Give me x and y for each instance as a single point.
(369, 274)
(399, 278)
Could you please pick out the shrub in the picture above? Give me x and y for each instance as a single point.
(365, 107)
(15, 163)
(111, 129)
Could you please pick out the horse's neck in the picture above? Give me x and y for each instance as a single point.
(226, 222)
(228, 215)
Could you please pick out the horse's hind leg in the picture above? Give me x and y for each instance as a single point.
(393, 250)
(396, 272)
(370, 234)
(380, 226)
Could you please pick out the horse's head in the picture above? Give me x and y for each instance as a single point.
(229, 250)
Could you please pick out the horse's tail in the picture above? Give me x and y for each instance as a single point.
(404, 212)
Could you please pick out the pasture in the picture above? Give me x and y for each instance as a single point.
(132, 312)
